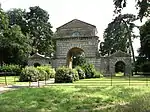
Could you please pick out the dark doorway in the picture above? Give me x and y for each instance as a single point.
(120, 67)
(37, 64)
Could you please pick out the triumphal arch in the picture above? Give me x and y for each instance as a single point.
(79, 38)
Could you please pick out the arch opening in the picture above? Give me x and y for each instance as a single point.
(120, 67)
(37, 64)
(73, 55)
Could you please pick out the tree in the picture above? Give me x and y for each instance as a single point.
(18, 17)
(114, 39)
(145, 40)
(35, 24)
(118, 35)
(142, 5)
(14, 46)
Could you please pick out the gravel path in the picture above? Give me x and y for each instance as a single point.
(33, 84)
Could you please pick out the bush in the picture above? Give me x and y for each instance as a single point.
(37, 73)
(65, 75)
(43, 75)
(29, 74)
(90, 71)
(13, 69)
(75, 75)
(50, 71)
(80, 71)
(97, 74)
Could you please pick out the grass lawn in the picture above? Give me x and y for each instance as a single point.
(78, 97)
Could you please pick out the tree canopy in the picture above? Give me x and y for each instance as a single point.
(118, 35)
(145, 40)
(14, 45)
(142, 5)
(34, 23)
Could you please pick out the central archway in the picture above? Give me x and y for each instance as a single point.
(72, 54)
(120, 67)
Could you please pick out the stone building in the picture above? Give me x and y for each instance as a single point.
(38, 59)
(76, 37)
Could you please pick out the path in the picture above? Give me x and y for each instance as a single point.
(33, 84)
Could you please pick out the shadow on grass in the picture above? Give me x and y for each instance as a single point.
(67, 99)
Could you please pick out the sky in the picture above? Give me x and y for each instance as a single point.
(96, 12)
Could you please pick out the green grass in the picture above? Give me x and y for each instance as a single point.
(88, 95)
(76, 99)
(11, 80)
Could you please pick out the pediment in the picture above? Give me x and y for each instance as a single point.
(76, 24)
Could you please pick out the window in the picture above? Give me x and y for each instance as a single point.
(76, 34)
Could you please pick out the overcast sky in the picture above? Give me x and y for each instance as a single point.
(96, 12)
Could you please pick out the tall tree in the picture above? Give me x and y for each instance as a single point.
(34, 23)
(14, 46)
(145, 40)
(118, 35)
(142, 5)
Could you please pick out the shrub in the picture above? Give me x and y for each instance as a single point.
(89, 70)
(50, 71)
(29, 74)
(75, 75)
(13, 69)
(43, 75)
(37, 73)
(80, 71)
(65, 75)
(97, 74)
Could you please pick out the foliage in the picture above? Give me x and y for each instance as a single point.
(97, 74)
(141, 5)
(78, 61)
(50, 71)
(90, 71)
(145, 40)
(80, 72)
(139, 62)
(145, 67)
(37, 73)
(118, 34)
(13, 69)
(29, 74)
(66, 75)
(34, 23)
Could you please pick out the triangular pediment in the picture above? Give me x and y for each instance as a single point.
(120, 54)
(76, 24)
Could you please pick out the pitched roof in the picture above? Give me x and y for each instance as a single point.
(120, 54)
(77, 22)
(37, 55)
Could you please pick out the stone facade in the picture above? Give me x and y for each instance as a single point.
(79, 34)
(38, 59)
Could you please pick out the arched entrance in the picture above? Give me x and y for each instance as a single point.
(120, 67)
(72, 54)
(37, 64)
